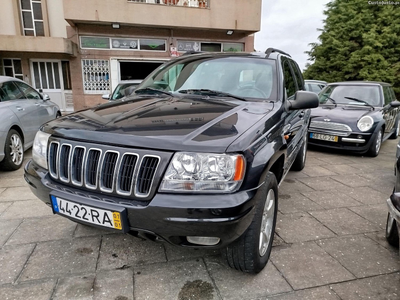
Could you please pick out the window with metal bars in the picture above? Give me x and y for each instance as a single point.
(96, 76)
(32, 17)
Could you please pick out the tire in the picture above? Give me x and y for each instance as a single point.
(14, 152)
(300, 160)
(392, 234)
(395, 134)
(375, 147)
(250, 253)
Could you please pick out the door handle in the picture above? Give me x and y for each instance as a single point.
(19, 108)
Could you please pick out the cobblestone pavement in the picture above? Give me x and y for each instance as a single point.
(330, 244)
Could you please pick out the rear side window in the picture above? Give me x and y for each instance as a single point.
(9, 91)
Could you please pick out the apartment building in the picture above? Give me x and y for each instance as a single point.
(75, 50)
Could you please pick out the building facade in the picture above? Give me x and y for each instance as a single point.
(75, 50)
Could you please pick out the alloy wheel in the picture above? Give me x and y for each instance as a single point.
(378, 142)
(16, 149)
(267, 222)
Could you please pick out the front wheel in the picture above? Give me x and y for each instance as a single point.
(14, 152)
(376, 144)
(250, 253)
(392, 234)
(300, 160)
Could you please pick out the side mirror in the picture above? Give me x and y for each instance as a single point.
(395, 103)
(106, 96)
(46, 97)
(303, 100)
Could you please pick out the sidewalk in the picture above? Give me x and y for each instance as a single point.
(330, 244)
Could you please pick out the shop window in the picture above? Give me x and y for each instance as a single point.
(211, 47)
(233, 47)
(13, 68)
(32, 17)
(152, 45)
(96, 76)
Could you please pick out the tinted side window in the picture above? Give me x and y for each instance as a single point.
(387, 95)
(290, 83)
(9, 91)
(298, 76)
(29, 92)
(315, 88)
(394, 98)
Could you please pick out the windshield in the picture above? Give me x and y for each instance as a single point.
(239, 76)
(367, 93)
(123, 90)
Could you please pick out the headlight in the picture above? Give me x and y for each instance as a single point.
(39, 149)
(204, 172)
(365, 123)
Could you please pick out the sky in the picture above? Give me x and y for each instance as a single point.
(290, 25)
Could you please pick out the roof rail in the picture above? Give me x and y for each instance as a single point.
(271, 50)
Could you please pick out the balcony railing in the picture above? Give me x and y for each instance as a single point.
(188, 3)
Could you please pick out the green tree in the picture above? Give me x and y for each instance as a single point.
(359, 41)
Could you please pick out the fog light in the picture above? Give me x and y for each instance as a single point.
(203, 240)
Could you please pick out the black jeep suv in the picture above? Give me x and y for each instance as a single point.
(194, 158)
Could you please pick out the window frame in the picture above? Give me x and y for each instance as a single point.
(20, 75)
(31, 11)
(283, 61)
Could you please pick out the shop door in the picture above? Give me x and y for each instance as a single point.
(47, 77)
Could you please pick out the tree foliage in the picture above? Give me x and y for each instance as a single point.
(359, 41)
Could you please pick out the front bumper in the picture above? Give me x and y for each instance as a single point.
(167, 217)
(355, 142)
(394, 207)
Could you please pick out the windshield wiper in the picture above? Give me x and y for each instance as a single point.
(210, 93)
(332, 100)
(151, 90)
(361, 101)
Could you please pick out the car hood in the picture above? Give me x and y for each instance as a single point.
(170, 123)
(340, 114)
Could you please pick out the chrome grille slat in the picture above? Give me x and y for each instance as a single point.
(77, 166)
(53, 158)
(64, 162)
(92, 167)
(331, 128)
(111, 171)
(125, 173)
(148, 167)
(108, 169)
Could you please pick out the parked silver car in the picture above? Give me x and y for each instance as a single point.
(23, 110)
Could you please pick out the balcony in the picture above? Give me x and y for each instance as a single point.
(14, 43)
(238, 15)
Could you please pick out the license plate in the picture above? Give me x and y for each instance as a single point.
(88, 214)
(324, 137)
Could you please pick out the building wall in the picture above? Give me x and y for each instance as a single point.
(242, 15)
(55, 14)
(7, 19)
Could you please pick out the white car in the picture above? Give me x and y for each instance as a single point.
(123, 89)
(23, 110)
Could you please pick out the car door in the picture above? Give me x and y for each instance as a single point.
(15, 100)
(295, 119)
(44, 109)
(389, 113)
